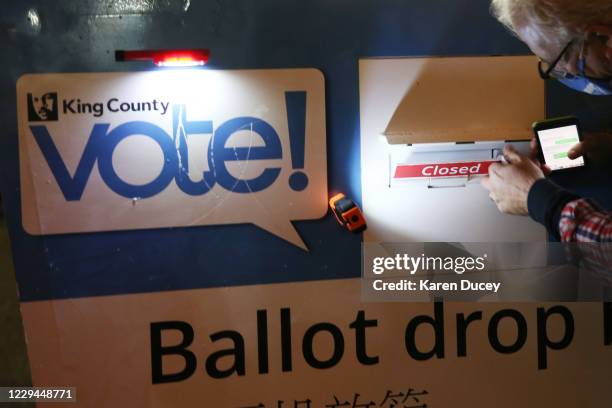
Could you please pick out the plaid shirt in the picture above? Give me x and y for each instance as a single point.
(583, 221)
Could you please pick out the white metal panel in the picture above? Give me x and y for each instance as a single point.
(413, 212)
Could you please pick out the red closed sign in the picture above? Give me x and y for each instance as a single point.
(461, 169)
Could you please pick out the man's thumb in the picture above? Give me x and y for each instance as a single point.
(511, 155)
(576, 151)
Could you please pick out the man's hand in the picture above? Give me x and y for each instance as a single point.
(509, 184)
(596, 146)
(534, 155)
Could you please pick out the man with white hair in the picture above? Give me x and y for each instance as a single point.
(573, 40)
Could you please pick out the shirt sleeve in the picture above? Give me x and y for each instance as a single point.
(583, 221)
(545, 202)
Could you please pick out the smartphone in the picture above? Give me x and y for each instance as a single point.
(555, 138)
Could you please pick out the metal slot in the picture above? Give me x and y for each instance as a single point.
(450, 182)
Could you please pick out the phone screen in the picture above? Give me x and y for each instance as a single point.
(555, 143)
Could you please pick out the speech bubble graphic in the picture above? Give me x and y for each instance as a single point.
(174, 148)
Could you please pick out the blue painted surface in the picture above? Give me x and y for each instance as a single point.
(330, 35)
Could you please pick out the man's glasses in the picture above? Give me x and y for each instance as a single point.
(548, 71)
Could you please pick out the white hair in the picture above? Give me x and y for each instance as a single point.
(556, 21)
